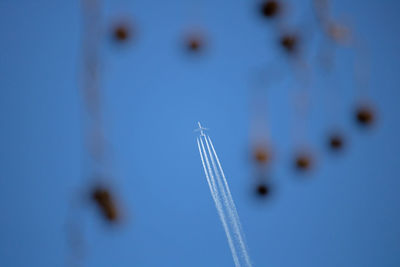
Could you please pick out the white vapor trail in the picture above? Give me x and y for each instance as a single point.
(223, 201)
(217, 200)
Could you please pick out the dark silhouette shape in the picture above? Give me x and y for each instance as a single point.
(270, 9)
(194, 44)
(122, 33)
(336, 142)
(303, 162)
(289, 43)
(263, 190)
(104, 200)
(365, 116)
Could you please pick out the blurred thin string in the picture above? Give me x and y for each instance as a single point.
(331, 88)
(91, 40)
(366, 112)
(195, 36)
(96, 166)
(75, 237)
(301, 102)
(196, 12)
(91, 32)
(121, 6)
(291, 40)
(333, 35)
(362, 69)
(98, 169)
(260, 143)
(260, 84)
(340, 34)
(123, 28)
(326, 56)
(295, 44)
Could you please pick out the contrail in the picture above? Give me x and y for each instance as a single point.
(232, 207)
(217, 200)
(223, 200)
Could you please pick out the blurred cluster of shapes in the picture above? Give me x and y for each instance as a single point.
(194, 42)
(291, 40)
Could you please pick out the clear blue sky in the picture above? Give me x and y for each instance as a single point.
(345, 214)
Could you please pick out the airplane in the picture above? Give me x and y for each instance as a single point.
(201, 129)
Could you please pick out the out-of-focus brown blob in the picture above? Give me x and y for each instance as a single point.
(336, 142)
(339, 33)
(289, 43)
(270, 8)
(104, 200)
(303, 162)
(122, 32)
(365, 116)
(261, 155)
(194, 43)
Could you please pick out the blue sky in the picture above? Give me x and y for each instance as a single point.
(344, 213)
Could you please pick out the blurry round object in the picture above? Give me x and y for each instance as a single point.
(263, 190)
(303, 162)
(122, 32)
(261, 155)
(194, 43)
(270, 9)
(365, 116)
(289, 42)
(336, 142)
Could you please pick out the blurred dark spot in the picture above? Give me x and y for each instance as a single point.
(104, 200)
(289, 42)
(122, 33)
(270, 9)
(336, 142)
(261, 155)
(263, 190)
(303, 162)
(365, 116)
(194, 43)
